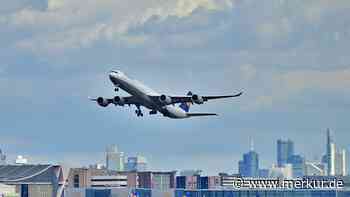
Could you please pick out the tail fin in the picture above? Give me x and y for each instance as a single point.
(186, 106)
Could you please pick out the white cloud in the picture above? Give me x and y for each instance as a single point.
(80, 23)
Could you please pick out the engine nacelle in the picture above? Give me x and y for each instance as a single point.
(165, 99)
(197, 99)
(102, 102)
(119, 100)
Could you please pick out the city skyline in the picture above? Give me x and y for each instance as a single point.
(289, 57)
(251, 156)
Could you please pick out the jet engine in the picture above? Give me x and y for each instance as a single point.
(119, 100)
(102, 102)
(166, 100)
(197, 99)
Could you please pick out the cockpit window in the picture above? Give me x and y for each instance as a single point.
(116, 72)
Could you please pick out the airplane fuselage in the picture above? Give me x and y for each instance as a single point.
(144, 93)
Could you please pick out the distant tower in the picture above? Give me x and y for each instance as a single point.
(2, 158)
(251, 144)
(331, 161)
(138, 163)
(285, 150)
(249, 165)
(114, 159)
(344, 163)
(330, 154)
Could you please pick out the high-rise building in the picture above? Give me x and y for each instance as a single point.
(335, 160)
(298, 165)
(330, 154)
(285, 150)
(131, 164)
(249, 166)
(340, 168)
(2, 158)
(114, 159)
(138, 163)
(285, 155)
(344, 162)
(141, 163)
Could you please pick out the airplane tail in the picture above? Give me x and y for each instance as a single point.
(186, 106)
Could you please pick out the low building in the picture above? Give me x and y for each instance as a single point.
(32, 180)
(314, 169)
(214, 182)
(93, 178)
(80, 178)
(229, 180)
(8, 190)
(286, 171)
(264, 173)
(156, 180)
(198, 182)
(188, 182)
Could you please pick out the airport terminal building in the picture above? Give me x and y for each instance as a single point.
(31, 180)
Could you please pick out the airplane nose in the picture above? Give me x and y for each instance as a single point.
(111, 75)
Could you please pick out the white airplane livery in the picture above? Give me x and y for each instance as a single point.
(141, 95)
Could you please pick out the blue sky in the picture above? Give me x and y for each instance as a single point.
(290, 57)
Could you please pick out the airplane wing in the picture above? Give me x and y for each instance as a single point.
(128, 100)
(201, 99)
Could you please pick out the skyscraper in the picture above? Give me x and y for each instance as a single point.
(298, 165)
(285, 150)
(114, 159)
(340, 163)
(249, 166)
(141, 163)
(2, 158)
(344, 163)
(330, 154)
(138, 163)
(335, 160)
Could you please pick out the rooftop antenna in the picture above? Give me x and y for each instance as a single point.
(251, 144)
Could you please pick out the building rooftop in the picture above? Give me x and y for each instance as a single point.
(30, 173)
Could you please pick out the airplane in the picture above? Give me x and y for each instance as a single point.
(141, 95)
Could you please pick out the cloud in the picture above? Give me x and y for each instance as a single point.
(79, 24)
(282, 53)
(325, 80)
(285, 87)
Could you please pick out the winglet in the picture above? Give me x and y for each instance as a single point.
(239, 94)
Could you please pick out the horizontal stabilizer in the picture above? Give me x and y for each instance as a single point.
(201, 114)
